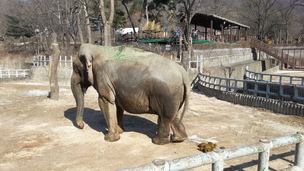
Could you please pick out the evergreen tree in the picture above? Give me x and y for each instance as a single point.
(17, 28)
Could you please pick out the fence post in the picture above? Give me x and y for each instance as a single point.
(201, 64)
(299, 158)
(219, 165)
(65, 61)
(44, 59)
(71, 61)
(264, 156)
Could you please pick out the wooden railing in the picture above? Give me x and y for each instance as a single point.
(14, 73)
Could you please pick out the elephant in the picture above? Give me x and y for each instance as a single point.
(133, 80)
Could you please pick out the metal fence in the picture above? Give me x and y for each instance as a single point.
(64, 61)
(274, 78)
(218, 157)
(256, 87)
(14, 73)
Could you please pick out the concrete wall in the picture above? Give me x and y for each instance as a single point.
(40, 74)
(231, 63)
(224, 57)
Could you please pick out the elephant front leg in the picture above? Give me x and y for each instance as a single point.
(78, 94)
(109, 112)
(120, 127)
(162, 136)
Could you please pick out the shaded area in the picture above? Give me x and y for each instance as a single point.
(95, 120)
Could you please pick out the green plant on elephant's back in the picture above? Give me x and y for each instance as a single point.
(132, 80)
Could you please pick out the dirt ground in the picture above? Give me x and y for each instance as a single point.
(40, 134)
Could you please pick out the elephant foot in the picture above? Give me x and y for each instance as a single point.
(160, 141)
(175, 138)
(119, 129)
(112, 137)
(80, 124)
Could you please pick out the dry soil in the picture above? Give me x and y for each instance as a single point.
(40, 134)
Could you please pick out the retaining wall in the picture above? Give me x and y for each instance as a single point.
(230, 62)
(288, 108)
(224, 57)
(40, 74)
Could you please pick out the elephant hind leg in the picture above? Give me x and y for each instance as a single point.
(179, 132)
(162, 136)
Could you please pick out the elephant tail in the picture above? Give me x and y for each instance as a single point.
(185, 104)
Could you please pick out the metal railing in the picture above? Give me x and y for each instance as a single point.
(64, 61)
(272, 90)
(219, 156)
(251, 75)
(14, 73)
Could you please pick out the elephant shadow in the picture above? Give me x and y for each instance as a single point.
(95, 120)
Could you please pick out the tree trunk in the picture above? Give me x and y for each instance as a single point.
(141, 24)
(130, 18)
(79, 27)
(53, 76)
(87, 22)
(107, 22)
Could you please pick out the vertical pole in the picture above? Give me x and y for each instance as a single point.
(206, 33)
(201, 64)
(211, 30)
(71, 61)
(299, 158)
(219, 165)
(255, 88)
(264, 157)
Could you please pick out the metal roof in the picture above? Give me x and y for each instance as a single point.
(204, 20)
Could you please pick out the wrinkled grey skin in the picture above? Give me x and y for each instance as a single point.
(141, 83)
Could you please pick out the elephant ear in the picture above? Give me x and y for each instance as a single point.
(77, 66)
(85, 68)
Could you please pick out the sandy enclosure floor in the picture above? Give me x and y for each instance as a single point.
(40, 134)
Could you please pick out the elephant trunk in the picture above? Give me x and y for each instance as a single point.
(78, 94)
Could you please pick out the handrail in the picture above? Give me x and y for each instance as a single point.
(217, 157)
(278, 54)
(289, 79)
(256, 88)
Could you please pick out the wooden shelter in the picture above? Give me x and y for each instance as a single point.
(215, 28)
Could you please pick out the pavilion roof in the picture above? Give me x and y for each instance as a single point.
(204, 20)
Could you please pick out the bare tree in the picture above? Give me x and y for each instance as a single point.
(189, 9)
(141, 21)
(124, 3)
(107, 21)
(53, 74)
(88, 26)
